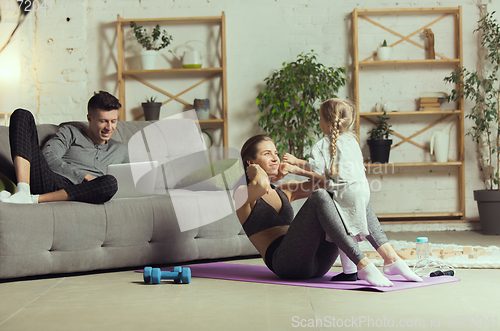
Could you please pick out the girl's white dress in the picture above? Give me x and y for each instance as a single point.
(350, 188)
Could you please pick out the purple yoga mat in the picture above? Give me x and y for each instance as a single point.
(261, 274)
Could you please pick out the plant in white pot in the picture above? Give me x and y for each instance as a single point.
(379, 142)
(483, 88)
(384, 52)
(151, 42)
(151, 109)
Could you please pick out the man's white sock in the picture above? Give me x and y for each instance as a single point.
(23, 187)
(4, 195)
(22, 195)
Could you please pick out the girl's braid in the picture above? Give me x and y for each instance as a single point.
(334, 137)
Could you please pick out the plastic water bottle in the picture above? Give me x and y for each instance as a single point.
(422, 248)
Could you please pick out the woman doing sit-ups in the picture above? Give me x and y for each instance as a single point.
(296, 248)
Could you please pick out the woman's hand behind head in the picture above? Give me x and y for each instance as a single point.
(252, 171)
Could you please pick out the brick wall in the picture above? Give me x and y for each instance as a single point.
(69, 51)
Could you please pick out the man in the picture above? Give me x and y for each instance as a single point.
(72, 165)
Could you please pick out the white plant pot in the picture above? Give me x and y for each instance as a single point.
(203, 114)
(148, 59)
(384, 53)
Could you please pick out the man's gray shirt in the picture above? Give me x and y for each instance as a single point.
(72, 154)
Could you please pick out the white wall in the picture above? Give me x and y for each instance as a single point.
(68, 51)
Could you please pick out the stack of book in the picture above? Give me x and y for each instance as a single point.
(431, 101)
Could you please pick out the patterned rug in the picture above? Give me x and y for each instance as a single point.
(469, 257)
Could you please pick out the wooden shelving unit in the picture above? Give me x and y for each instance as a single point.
(207, 73)
(458, 114)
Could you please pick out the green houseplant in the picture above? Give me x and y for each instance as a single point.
(379, 142)
(483, 88)
(152, 42)
(289, 102)
(151, 109)
(155, 40)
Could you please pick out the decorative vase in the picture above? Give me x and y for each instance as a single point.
(148, 59)
(440, 143)
(191, 57)
(202, 107)
(384, 53)
(151, 110)
(488, 205)
(379, 150)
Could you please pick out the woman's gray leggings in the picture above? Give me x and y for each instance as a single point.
(304, 252)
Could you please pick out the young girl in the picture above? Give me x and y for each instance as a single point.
(337, 157)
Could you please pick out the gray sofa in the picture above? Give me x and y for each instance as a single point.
(66, 237)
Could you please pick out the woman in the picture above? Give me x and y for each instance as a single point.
(299, 249)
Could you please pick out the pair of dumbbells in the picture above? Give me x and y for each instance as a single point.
(155, 275)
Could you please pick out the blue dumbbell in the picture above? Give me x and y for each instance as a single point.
(155, 275)
(148, 275)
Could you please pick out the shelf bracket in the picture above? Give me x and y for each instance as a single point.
(172, 97)
(409, 139)
(405, 38)
(156, 88)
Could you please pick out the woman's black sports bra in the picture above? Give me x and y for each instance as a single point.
(263, 216)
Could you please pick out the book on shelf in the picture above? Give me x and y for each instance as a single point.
(436, 104)
(432, 100)
(430, 108)
(433, 95)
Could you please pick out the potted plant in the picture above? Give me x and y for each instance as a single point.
(289, 102)
(379, 142)
(483, 88)
(384, 52)
(151, 42)
(151, 109)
